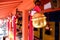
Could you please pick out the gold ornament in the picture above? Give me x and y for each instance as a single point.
(38, 20)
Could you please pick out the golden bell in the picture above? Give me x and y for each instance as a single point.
(38, 20)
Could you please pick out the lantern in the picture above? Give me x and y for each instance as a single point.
(38, 20)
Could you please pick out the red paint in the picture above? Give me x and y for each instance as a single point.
(31, 36)
(14, 23)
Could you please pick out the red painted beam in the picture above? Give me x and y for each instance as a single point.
(50, 10)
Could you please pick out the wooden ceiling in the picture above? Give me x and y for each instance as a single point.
(8, 6)
(6, 0)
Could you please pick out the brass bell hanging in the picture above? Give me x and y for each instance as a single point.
(38, 20)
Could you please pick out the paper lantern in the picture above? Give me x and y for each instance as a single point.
(38, 20)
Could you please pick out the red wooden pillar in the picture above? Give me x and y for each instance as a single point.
(25, 25)
(13, 24)
(31, 36)
(14, 21)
